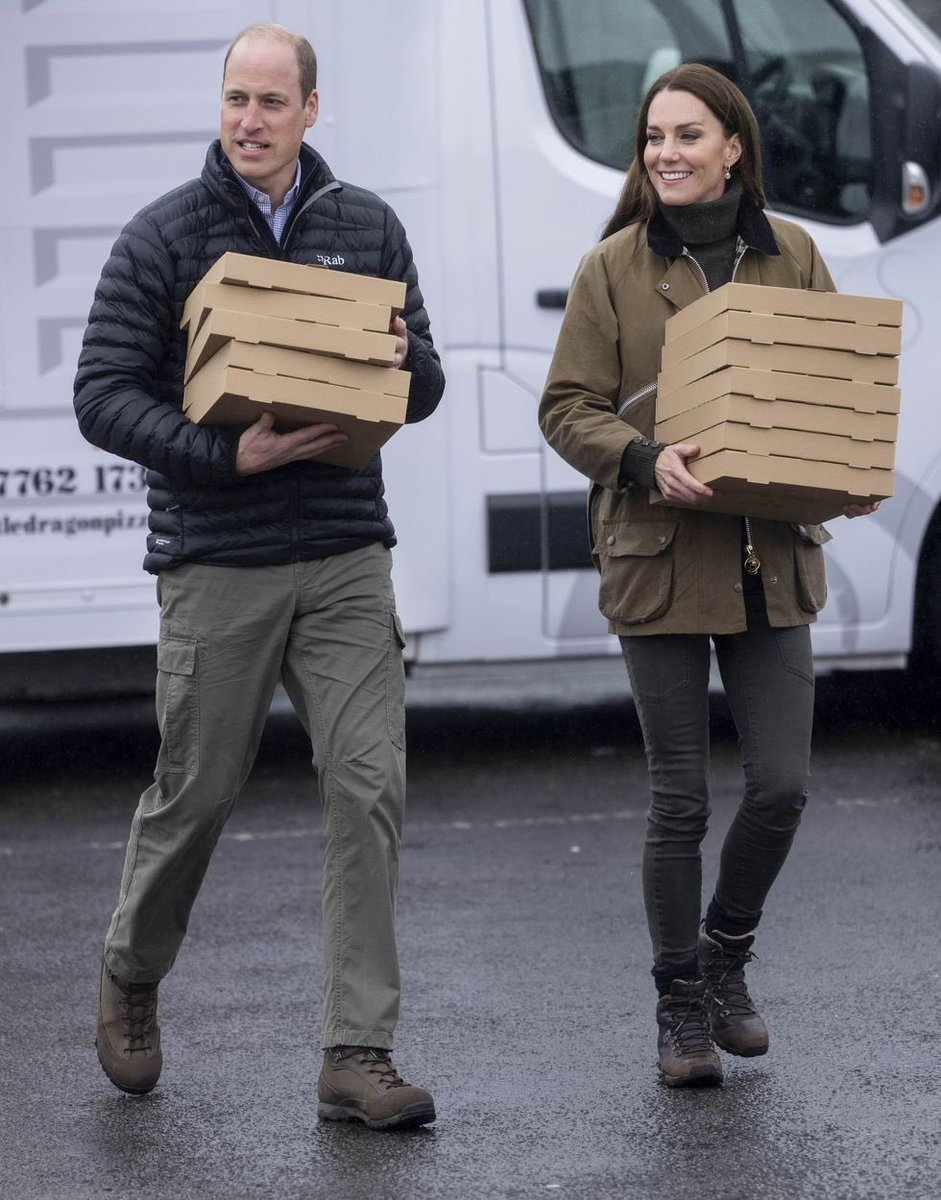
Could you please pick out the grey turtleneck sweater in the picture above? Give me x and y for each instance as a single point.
(709, 233)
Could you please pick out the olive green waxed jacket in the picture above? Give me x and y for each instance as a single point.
(668, 570)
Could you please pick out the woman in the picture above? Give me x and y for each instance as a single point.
(675, 580)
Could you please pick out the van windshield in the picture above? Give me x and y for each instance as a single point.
(801, 65)
(928, 12)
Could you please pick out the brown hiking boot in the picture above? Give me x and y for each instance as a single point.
(128, 1038)
(687, 1056)
(358, 1083)
(735, 1022)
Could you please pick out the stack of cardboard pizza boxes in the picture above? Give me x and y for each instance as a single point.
(306, 343)
(791, 396)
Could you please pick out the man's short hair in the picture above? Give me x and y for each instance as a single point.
(303, 51)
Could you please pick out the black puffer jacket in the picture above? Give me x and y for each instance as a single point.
(129, 386)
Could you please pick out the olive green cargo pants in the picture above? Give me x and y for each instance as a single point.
(327, 630)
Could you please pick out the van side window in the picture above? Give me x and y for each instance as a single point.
(810, 91)
(800, 63)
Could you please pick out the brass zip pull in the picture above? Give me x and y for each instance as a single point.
(752, 561)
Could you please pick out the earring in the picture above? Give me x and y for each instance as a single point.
(728, 173)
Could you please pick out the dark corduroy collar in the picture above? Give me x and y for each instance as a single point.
(753, 228)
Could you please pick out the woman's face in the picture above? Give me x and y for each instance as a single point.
(687, 149)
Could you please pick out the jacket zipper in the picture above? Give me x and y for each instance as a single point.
(752, 562)
(298, 209)
(634, 397)
(292, 223)
(740, 248)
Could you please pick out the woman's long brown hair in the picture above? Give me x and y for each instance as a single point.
(638, 199)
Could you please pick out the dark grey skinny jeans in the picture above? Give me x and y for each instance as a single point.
(768, 679)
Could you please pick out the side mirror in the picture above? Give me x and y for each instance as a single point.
(906, 118)
(921, 154)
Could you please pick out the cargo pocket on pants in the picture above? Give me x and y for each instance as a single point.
(178, 703)
(395, 682)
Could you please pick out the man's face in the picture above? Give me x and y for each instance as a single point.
(264, 115)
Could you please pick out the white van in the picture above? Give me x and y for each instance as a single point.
(499, 130)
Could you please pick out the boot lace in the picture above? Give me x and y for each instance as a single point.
(379, 1063)
(139, 1014)
(689, 1026)
(725, 979)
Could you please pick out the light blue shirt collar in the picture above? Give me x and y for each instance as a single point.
(277, 219)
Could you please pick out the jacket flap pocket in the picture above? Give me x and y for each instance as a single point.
(176, 657)
(816, 535)
(645, 539)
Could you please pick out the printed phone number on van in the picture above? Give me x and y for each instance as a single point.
(112, 479)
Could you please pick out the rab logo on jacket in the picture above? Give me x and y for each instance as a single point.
(331, 260)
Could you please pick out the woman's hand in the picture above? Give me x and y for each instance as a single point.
(860, 510)
(673, 479)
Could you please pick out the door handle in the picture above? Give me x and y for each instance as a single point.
(552, 297)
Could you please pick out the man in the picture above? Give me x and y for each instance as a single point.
(271, 566)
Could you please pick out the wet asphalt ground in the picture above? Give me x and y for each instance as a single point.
(528, 1009)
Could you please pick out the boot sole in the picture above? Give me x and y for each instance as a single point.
(702, 1078)
(741, 1051)
(413, 1115)
(122, 1087)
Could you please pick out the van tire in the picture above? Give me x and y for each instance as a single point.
(925, 658)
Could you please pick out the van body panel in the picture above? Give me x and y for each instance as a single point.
(463, 117)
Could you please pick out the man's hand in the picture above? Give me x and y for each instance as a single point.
(397, 326)
(261, 449)
(673, 479)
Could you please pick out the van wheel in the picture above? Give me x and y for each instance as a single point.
(925, 658)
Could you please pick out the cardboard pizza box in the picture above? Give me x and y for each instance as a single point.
(266, 302)
(788, 302)
(771, 329)
(794, 443)
(797, 360)
(779, 488)
(221, 326)
(241, 381)
(758, 398)
(249, 270)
